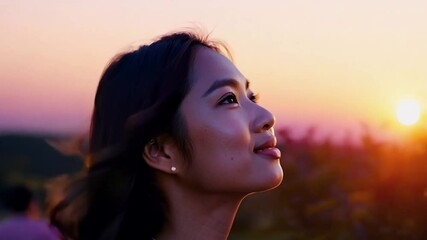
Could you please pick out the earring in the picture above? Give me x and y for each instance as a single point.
(152, 141)
(173, 169)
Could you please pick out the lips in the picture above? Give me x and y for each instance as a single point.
(268, 149)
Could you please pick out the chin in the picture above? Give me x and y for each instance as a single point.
(275, 180)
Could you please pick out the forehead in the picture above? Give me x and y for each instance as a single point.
(210, 66)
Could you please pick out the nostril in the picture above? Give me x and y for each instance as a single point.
(266, 126)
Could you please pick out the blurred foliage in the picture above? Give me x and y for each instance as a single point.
(371, 190)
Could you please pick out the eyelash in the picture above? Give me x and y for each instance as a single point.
(254, 97)
(228, 98)
(233, 99)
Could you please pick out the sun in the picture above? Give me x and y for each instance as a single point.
(408, 112)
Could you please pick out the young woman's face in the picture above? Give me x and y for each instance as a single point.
(232, 137)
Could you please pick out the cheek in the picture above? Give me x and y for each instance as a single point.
(221, 138)
(219, 152)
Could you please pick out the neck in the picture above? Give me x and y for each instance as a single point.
(199, 216)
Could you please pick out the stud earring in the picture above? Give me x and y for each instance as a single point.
(152, 141)
(173, 169)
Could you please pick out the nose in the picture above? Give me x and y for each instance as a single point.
(264, 120)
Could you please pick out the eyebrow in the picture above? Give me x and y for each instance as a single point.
(224, 82)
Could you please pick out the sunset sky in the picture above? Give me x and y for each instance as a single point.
(332, 63)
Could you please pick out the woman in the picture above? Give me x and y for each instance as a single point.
(177, 141)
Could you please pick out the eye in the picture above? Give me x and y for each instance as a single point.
(229, 98)
(254, 97)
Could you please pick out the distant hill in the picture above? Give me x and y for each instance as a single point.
(26, 158)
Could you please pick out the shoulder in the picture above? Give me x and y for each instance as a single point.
(45, 230)
(22, 228)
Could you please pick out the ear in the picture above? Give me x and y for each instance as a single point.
(162, 154)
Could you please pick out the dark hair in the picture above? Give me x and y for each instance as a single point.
(18, 198)
(137, 99)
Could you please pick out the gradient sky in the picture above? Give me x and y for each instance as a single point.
(329, 63)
